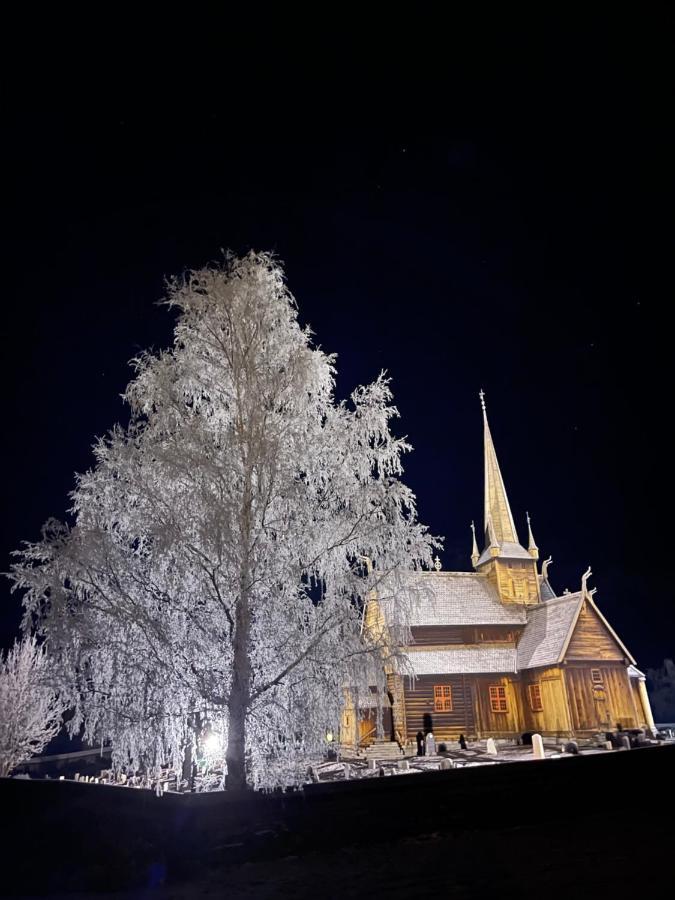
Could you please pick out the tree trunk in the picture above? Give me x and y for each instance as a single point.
(240, 693)
(236, 741)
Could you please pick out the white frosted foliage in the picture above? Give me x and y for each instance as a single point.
(212, 581)
(30, 710)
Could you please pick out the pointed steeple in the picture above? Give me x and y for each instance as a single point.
(474, 549)
(532, 548)
(497, 509)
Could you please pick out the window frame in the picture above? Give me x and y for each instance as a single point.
(499, 701)
(443, 698)
(535, 698)
(599, 679)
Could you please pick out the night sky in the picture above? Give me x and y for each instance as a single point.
(514, 260)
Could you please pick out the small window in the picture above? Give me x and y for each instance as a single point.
(596, 676)
(498, 701)
(536, 704)
(443, 698)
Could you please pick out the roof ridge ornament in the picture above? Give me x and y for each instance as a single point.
(584, 581)
(544, 567)
(437, 564)
(481, 394)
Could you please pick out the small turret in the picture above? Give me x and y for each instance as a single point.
(532, 548)
(474, 550)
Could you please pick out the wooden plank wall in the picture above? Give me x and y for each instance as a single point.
(554, 718)
(419, 700)
(591, 640)
(599, 707)
(442, 635)
(497, 724)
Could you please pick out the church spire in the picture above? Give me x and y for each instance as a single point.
(498, 518)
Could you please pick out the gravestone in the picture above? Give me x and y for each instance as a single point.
(608, 745)
(491, 747)
(430, 745)
(372, 764)
(538, 747)
(625, 741)
(462, 742)
(404, 765)
(347, 770)
(447, 764)
(572, 747)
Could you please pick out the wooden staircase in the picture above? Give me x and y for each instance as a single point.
(383, 748)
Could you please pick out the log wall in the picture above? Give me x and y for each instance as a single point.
(419, 701)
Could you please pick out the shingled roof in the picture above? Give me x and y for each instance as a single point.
(507, 550)
(547, 592)
(548, 625)
(463, 598)
(472, 660)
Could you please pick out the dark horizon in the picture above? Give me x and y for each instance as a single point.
(512, 264)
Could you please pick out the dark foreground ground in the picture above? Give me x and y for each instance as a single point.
(599, 826)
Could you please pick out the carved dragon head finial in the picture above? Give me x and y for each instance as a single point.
(584, 581)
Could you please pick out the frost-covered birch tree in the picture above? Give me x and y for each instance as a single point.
(214, 567)
(30, 709)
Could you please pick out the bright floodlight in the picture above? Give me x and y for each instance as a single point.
(212, 743)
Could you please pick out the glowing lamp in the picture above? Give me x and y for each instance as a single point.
(212, 743)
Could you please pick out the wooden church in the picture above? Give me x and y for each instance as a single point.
(496, 653)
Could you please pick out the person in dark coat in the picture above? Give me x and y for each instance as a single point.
(420, 743)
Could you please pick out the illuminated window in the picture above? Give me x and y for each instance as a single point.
(443, 698)
(596, 676)
(498, 701)
(534, 691)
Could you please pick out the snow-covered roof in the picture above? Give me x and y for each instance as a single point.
(472, 660)
(507, 550)
(548, 626)
(634, 672)
(547, 592)
(462, 598)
